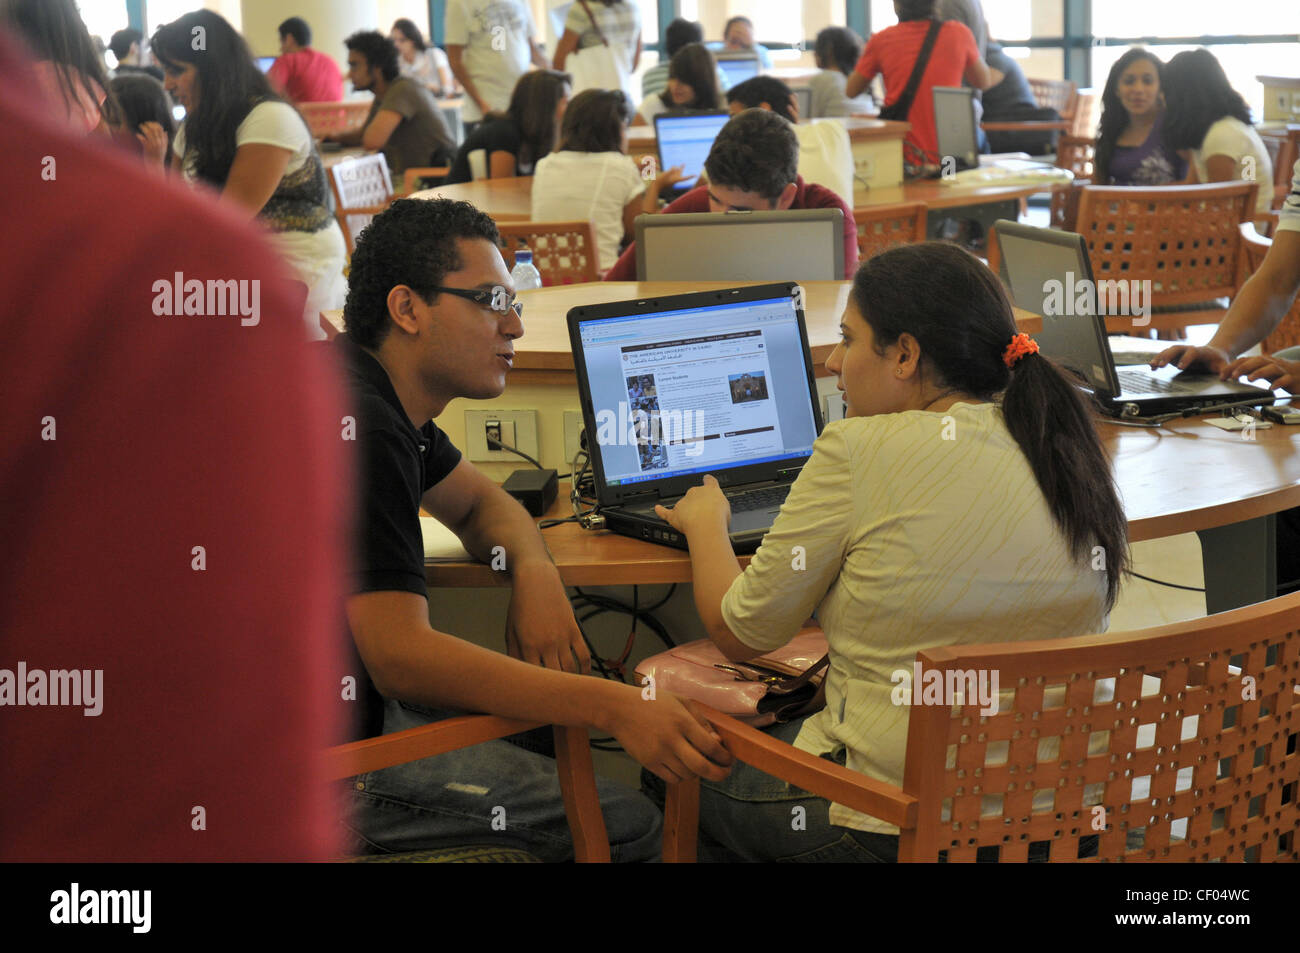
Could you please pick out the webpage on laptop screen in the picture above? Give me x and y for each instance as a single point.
(686, 141)
(698, 390)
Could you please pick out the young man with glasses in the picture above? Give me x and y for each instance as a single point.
(753, 166)
(431, 316)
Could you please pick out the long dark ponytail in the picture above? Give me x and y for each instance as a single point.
(957, 311)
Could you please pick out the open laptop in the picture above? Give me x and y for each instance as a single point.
(803, 100)
(673, 388)
(794, 244)
(685, 140)
(957, 131)
(1048, 272)
(264, 63)
(738, 65)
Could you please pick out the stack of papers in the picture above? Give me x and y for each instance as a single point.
(1012, 172)
(441, 545)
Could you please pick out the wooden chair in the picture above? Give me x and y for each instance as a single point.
(362, 189)
(1286, 334)
(563, 252)
(1059, 94)
(881, 227)
(330, 119)
(1086, 114)
(1077, 154)
(412, 176)
(1184, 239)
(572, 759)
(1132, 746)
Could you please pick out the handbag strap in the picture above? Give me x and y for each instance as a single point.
(904, 104)
(594, 25)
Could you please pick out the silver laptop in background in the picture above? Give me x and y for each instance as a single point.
(954, 121)
(685, 140)
(792, 245)
(1074, 333)
(738, 65)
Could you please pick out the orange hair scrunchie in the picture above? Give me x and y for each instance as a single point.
(1020, 345)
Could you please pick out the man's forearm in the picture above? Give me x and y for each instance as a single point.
(500, 520)
(458, 70)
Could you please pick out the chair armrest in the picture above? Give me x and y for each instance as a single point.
(825, 778)
(385, 751)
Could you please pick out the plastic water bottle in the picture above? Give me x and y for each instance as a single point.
(525, 274)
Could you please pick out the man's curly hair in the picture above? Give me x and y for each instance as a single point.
(755, 152)
(412, 243)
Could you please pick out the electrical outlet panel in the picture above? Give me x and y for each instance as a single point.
(518, 428)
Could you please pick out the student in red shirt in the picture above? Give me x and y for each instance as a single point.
(753, 166)
(303, 74)
(171, 487)
(893, 52)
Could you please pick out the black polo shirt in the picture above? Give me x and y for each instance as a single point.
(396, 464)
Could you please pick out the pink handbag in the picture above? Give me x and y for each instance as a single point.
(781, 686)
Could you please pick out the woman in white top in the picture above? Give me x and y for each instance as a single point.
(605, 34)
(425, 64)
(1209, 123)
(590, 176)
(966, 498)
(241, 139)
(692, 85)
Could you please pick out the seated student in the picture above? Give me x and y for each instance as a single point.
(147, 126)
(238, 136)
(1132, 146)
(1256, 312)
(825, 152)
(738, 37)
(68, 68)
(906, 547)
(1208, 119)
(422, 331)
(404, 123)
(303, 74)
(514, 141)
(590, 176)
(126, 46)
(1010, 99)
(678, 34)
(753, 166)
(893, 52)
(836, 51)
(425, 64)
(692, 85)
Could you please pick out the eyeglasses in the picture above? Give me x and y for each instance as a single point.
(494, 299)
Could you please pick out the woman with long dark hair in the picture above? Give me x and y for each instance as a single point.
(68, 66)
(1132, 147)
(966, 498)
(240, 138)
(417, 60)
(692, 86)
(514, 142)
(1210, 120)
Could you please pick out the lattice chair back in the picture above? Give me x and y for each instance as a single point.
(1184, 239)
(1077, 154)
(1177, 743)
(881, 227)
(563, 252)
(328, 119)
(1058, 94)
(1085, 114)
(1287, 333)
(362, 189)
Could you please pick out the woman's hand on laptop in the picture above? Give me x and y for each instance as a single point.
(1213, 360)
(702, 510)
(1279, 373)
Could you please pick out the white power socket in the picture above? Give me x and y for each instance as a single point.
(518, 428)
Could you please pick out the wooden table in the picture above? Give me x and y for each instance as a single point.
(510, 200)
(1186, 477)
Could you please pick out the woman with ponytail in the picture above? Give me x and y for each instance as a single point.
(965, 498)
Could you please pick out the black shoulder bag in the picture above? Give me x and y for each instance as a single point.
(900, 109)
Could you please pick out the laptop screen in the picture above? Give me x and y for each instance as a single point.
(697, 390)
(739, 69)
(791, 244)
(954, 121)
(264, 63)
(686, 141)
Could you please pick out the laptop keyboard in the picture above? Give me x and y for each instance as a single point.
(1135, 381)
(763, 499)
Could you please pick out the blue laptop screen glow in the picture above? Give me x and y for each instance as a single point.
(698, 390)
(686, 141)
(739, 70)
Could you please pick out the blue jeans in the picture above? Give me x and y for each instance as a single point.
(495, 793)
(752, 816)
